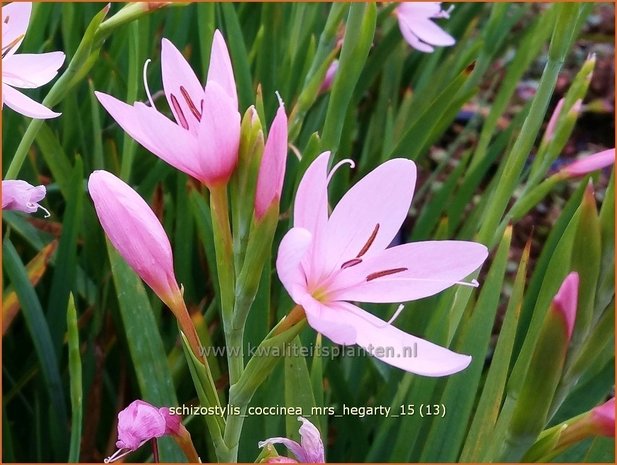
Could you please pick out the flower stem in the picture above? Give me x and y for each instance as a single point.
(223, 246)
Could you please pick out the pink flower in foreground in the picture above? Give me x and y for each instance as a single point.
(204, 140)
(272, 168)
(603, 418)
(140, 422)
(590, 163)
(22, 196)
(565, 301)
(326, 261)
(26, 70)
(311, 449)
(414, 20)
(135, 231)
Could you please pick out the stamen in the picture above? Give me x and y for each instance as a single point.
(350, 263)
(189, 102)
(278, 96)
(381, 274)
(370, 241)
(7, 48)
(146, 83)
(47, 214)
(346, 161)
(183, 122)
(6, 20)
(117, 455)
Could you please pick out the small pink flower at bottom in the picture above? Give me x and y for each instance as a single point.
(310, 449)
(327, 261)
(22, 196)
(140, 422)
(417, 27)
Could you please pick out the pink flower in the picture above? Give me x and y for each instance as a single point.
(135, 231)
(590, 163)
(272, 169)
(21, 196)
(603, 418)
(565, 301)
(414, 20)
(27, 70)
(204, 140)
(311, 449)
(140, 422)
(326, 261)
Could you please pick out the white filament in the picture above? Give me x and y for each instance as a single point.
(146, 83)
(346, 161)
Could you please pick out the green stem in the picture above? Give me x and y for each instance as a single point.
(223, 246)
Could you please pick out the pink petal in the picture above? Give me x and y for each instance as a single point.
(25, 105)
(292, 249)
(155, 132)
(137, 423)
(427, 31)
(21, 196)
(182, 88)
(311, 442)
(325, 319)
(565, 301)
(173, 423)
(29, 71)
(426, 269)
(220, 69)
(293, 446)
(15, 19)
(369, 214)
(388, 343)
(280, 459)
(135, 231)
(413, 10)
(218, 136)
(272, 169)
(590, 163)
(311, 209)
(413, 40)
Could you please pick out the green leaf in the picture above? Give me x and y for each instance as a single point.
(298, 389)
(75, 380)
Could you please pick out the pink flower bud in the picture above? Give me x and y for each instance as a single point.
(329, 77)
(134, 230)
(272, 169)
(550, 127)
(21, 196)
(565, 301)
(590, 163)
(603, 417)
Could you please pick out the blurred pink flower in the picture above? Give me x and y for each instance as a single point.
(414, 20)
(590, 163)
(565, 301)
(329, 78)
(135, 231)
(26, 70)
(326, 261)
(311, 449)
(140, 422)
(22, 196)
(204, 140)
(603, 418)
(272, 168)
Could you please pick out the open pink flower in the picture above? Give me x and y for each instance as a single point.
(311, 449)
(414, 20)
(326, 261)
(140, 422)
(204, 139)
(135, 231)
(272, 168)
(22, 196)
(26, 70)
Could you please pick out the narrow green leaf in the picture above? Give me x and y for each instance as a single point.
(75, 380)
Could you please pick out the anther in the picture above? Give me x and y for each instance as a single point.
(369, 242)
(381, 274)
(189, 102)
(183, 122)
(350, 263)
